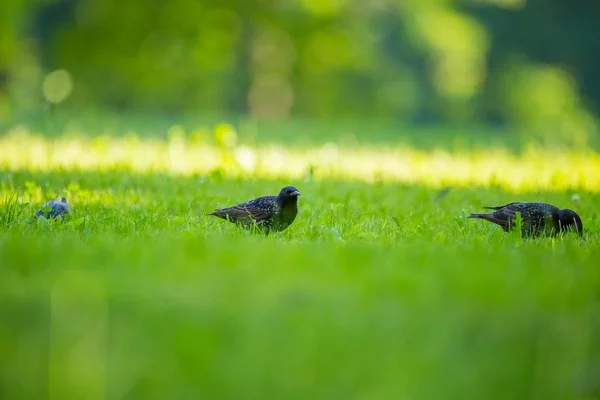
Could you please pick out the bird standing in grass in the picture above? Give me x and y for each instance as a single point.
(268, 213)
(536, 218)
(54, 209)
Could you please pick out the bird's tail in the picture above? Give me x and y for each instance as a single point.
(487, 217)
(217, 213)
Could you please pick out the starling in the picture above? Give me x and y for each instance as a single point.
(536, 218)
(56, 209)
(268, 213)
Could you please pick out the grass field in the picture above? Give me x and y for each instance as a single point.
(381, 289)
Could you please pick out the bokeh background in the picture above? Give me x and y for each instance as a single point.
(526, 67)
(395, 119)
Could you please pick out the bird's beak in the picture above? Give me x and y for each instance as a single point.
(295, 193)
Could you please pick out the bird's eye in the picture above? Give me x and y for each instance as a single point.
(289, 192)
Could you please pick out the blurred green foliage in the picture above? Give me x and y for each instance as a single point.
(527, 63)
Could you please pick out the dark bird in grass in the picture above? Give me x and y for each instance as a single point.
(54, 209)
(267, 213)
(536, 218)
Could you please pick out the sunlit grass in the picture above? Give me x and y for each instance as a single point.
(381, 288)
(373, 292)
(532, 170)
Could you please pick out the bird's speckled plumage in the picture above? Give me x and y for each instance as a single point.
(536, 218)
(267, 213)
(58, 208)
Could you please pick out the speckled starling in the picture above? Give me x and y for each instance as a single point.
(536, 218)
(55, 209)
(267, 213)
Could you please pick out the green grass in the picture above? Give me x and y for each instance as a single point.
(377, 291)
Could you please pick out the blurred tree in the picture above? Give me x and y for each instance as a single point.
(409, 60)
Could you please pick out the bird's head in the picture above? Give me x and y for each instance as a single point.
(288, 193)
(568, 220)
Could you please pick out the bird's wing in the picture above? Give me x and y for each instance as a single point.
(511, 210)
(510, 206)
(506, 215)
(257, 209)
